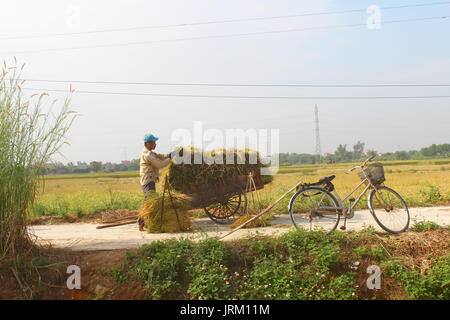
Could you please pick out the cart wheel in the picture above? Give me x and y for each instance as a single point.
(223, 212)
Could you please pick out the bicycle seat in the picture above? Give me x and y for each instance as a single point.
(327, 179)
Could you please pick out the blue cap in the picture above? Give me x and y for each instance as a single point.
(149, 137)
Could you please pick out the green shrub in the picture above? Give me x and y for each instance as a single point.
(38, 210)
(208, 281)
(118, 275)
(361, 251)
(367, 230)
(342, 288)
(434, 284)
(300, 268)
(378, 253)
(425, 226)
(207, 270)
(262, 247)
(432, 194)
(160, 266)
(298, 265)
(270, 278)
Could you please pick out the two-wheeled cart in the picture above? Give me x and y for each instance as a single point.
(221, 201)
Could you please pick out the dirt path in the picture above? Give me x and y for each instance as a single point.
(85, 236)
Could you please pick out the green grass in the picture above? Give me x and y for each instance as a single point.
(433, 285)
(299, 265)
(304, 171)
(211, 269)
(32, 130)
(83, 203)
(425, 226)
(298, 168)
(117, 175)
(80, 203)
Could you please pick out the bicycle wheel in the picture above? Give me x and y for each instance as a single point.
(314, 209)
(389, 210)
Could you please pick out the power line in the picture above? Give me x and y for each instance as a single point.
(223, 36)
(248, 97)
(221, 21)
(240, 84)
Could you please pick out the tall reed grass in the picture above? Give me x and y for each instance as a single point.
(32, 130)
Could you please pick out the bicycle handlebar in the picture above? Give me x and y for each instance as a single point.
(368, 160)
(363, 165)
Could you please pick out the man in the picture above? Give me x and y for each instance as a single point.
(150, 164)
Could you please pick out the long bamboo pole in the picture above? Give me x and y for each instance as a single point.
(121, 219)
(116, 224)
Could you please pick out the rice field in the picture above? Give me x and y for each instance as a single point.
(421, 184)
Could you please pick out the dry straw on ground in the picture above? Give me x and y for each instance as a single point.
(416, 250)
(264, 221)
(175, 217)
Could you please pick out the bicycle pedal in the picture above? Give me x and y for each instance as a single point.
(342, 227)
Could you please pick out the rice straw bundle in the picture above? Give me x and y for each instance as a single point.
(188, 173)
(152, 209)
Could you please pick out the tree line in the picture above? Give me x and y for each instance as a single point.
(357, 153)
(94, 166)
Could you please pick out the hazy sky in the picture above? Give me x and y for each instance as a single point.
(112, 126)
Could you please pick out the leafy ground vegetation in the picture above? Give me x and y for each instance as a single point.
(298, 265)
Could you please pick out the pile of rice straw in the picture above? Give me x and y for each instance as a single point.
(183, 175)
(152, 208)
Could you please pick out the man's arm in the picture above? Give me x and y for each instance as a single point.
(161, 156)
(155, 161)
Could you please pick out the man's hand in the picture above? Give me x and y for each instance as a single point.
(175, 152)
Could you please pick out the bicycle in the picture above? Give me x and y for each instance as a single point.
(319, 205)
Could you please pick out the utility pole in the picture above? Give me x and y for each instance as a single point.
(317, 135)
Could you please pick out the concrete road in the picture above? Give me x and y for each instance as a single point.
(85, 236)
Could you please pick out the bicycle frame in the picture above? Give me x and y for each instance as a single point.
(341, 207)
(341, 202)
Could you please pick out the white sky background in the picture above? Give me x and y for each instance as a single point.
(113, 125)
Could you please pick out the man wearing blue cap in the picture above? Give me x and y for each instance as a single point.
(150, 164)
